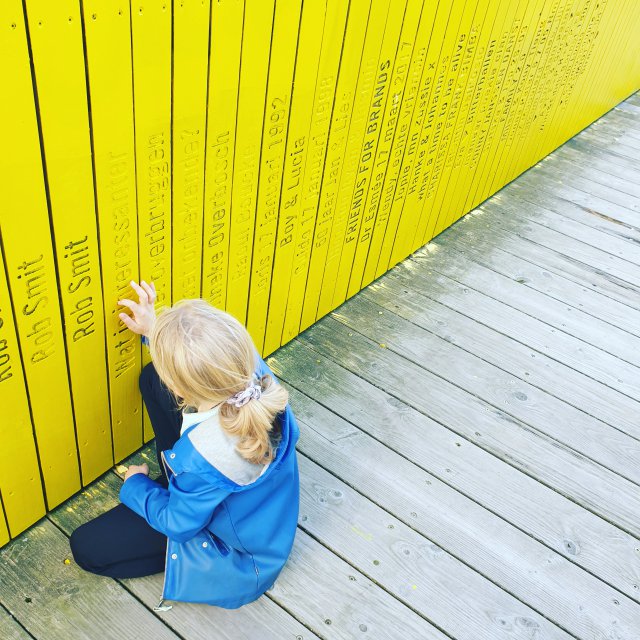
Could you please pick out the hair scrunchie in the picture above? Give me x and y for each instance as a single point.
(254, 390)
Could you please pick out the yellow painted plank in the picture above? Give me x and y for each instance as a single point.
(373, 208)
(413, 112)
(366, 171)
(496, 115)
(56, 42)
(529, 63)
(292, 219)
(274, 138)
(325, 92)
(24, 224)
(20, 481)
(4, 532)
(351, 55)
(191, 23)
(151, 37)
(538, 87)
(226, 37)
(479, 33)
(108, 45)
(483, 107)
(444, 59)
(357, 127)
(463, 40)
(256, 44)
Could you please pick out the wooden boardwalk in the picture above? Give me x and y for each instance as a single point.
(470, 448)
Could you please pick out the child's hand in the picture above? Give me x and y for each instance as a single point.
(137, 468)
(144, 314)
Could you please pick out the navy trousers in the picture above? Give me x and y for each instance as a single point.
(119, 543)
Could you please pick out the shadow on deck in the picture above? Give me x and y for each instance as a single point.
(470, 441)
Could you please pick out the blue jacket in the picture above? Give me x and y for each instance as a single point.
(227, 543)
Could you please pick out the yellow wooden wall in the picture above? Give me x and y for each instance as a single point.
(271, 157)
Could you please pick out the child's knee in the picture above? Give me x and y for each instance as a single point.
(81, 548)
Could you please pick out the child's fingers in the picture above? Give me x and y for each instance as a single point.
(142, 294)
(130, 322)
(149, 290)
(129, 303)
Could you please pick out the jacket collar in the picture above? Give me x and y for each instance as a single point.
(184, 456)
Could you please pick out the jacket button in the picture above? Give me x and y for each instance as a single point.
(173, 455)
(204, 544)
(174, 556)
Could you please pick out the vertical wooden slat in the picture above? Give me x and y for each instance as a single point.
(108, 62)
(190, 70)
(227, 18)
(56, 43)
(29, 255)
(20, 481)
(274, 138)
(254, 67)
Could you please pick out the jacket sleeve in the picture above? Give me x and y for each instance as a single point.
(179, 512)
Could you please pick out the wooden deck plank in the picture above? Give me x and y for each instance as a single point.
(57, 600)
(570, 597)
(263, 618)
(589, 148)
(506, 236)
(521, 191)
(490, 310)
(564, 162)
(571, 386)
(574, 476)
(534, 408)
(474, 244)
(513, 202)
(622, 269)
(9, 627)
(418, 572)
(460, 460)
(302, 589)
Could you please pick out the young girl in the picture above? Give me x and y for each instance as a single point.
(221, 518)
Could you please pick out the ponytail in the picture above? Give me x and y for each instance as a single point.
(254, 422)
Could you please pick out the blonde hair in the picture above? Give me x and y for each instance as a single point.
(205, 355)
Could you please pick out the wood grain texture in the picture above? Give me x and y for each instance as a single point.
(592, 398)
(462, 463)
(53, 599)
(9, 627)
(263, 618)
(543, 579)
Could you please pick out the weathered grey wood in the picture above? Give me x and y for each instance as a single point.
(533, 573)
(624, 270)
(625, 202)
(263, 618)
(295, 588)
(10, 629)
(57, 600)
(568, 161)
(425, 578)
(456, 598)
(502, 233)
(574, 476)
(615, 146)
(567, 384)
(470, 239)
(590, 148)
(461, 456)
(340, 602)
(521, 191)
(628, 107)
(515, 397)
(513, 200)
(458, 294)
